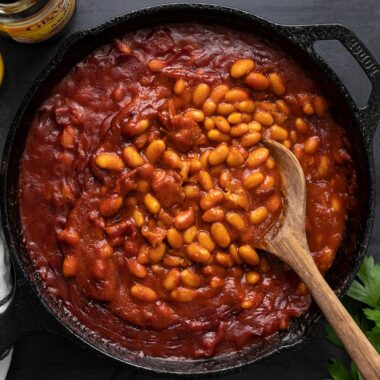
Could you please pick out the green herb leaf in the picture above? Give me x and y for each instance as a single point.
(367, 290)
(355, 373)
(376, 329)
(331, 335)
(338, 371)
(372, 315)
(364, 290)
(374, 338)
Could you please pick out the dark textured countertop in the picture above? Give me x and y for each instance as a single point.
(42, 356)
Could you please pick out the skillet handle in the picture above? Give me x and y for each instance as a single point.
(306, 36)
(23, 312)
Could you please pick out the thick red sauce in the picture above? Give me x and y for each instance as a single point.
(79, 216)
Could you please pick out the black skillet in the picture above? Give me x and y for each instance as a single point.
(33, 309)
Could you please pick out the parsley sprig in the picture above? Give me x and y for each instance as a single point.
(363, 303)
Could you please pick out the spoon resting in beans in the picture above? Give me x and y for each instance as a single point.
(289, 244)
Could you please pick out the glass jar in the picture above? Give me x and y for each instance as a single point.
(34, 20)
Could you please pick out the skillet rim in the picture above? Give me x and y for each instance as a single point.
(276, 30)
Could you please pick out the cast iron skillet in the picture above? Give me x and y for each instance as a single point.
(34, 309)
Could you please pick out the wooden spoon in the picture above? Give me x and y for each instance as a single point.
(289, 244)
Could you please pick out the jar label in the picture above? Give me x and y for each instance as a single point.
(43, 25)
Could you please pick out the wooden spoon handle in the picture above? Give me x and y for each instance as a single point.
(355, 342)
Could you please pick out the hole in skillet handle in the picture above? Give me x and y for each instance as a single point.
(307, 35)
(347, 69)
(21, 311)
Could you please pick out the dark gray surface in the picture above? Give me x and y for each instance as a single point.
(46, 357)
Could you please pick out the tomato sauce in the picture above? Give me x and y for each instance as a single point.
(144, 188)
